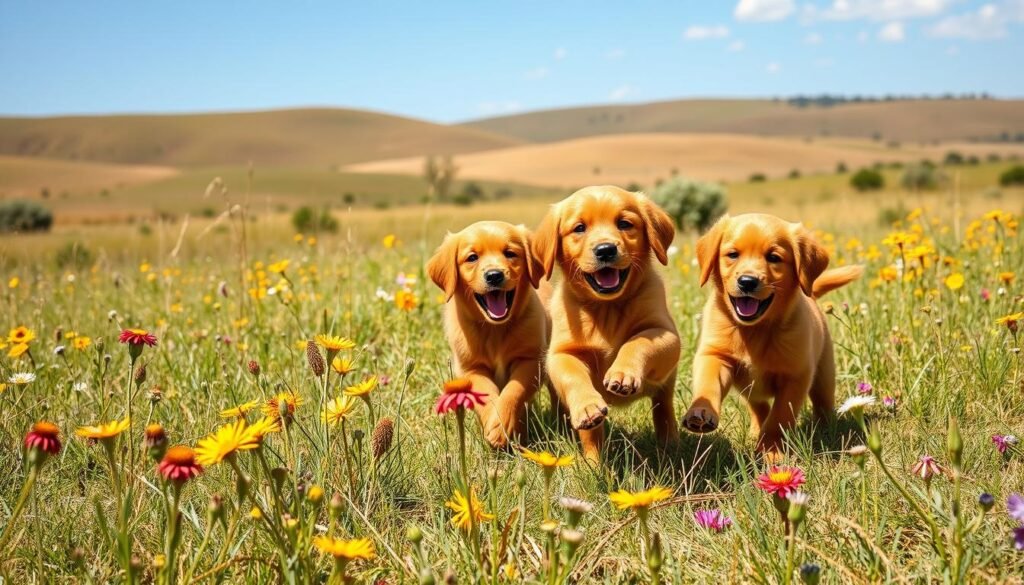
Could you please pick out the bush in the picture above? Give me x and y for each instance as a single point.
(24, 216)
(1012, 176)
(691, 204)
(867, 180)
(758, 178)
(953, 158)
(841, 168)
(472, 192)
(73, 255)
(305, 219)
(922, 178)
(887, 216)
(794, 174)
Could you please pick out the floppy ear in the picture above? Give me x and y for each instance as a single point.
(707, 249)
(534, 268)
(661, 232)
(442, 267)
(811, 258)
(547, 242)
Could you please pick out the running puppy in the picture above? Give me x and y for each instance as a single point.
(496, 326)
(762, 330)
(612, 338)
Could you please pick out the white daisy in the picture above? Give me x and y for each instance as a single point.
(798, 498)
(21, 378)
(856, 403)
(80, 387)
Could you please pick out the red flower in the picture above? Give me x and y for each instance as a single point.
(179, 464)
(781, 480)
(137, 337)
(458, 393)
(44, 436)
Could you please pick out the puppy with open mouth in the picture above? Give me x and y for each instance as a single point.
(496, 326)
(762, 330)
(612, 339)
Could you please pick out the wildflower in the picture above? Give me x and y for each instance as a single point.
(547, 460)
(21, 378)
(105, 431)
(955, 281)
(263, 427)
(334, 343)
(81, 343)
(21, 334)
(338, 409)
(810, 573)
(797, 503)
(781, 480)
(154, 439)
(239, 411)
(179, 465)
(1015, 506)
(713, 520)
(1007, 277)
(1011, 321)
(986, 501)
(926, 467)
(254, 367)
(1004, 442)
(381, 437)
(889, 402)
(342, 366)
(575, 509)
(363, 388)
(17, 351)
(458, 394)
(623, 499)
(390, 240)
(468, 511)
(225, 442)
(856, 404)
(864, 387)
(1018, 538)
(137, 337)
(359, 548)
(43, 437)
(283, 403)
(13, 282)
(406, 300)
(279, 267)
(316, 361)
(315, 494)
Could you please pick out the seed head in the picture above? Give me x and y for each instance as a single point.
(315, 359)
(380, 440)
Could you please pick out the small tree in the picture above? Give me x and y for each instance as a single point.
(1012, 176)
(691, 204)
(867, 180)
(24, 216)
(917, 177)
(306, 219)
(439, 174)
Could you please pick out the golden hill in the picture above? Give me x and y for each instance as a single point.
(279, 137)
(924, 120)
(645, 158)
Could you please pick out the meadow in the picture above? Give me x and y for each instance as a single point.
(304, 371)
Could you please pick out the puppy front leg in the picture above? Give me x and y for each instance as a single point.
(483, 382)
(574, 385)
(712, 378)
(790, 395)
(652, 354)
(507, 419)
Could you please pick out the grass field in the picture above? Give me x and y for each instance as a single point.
(922, 328)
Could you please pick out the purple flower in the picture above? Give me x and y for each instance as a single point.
(713, 520)
(864, 388)
(1015, 506)
(1004, 442)
(889, 402)
(1018, 538)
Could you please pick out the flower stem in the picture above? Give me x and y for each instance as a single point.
(26, 490)
(791, 553)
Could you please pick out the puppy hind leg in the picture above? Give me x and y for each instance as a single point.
(665, 428)
(823, 388)
(592, 442)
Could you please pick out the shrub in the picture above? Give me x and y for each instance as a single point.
(922, 178)
(953, 158)
(841, 168)
(73, 255)
(758, 178)
(1012, 176)
(794, 174)
(24, 216)
(887, 216)
(691, 204)
(867, 180)
(305, 219)
(472, 192)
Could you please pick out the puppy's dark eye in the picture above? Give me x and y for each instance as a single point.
(624, 224)
(773, 258)
(579, 228)
(510, 254)
(734, 254)
(472, 258)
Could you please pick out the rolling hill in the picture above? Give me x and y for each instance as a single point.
(305, 137)
(920, 121)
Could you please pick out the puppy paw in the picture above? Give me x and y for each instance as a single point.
(700, 419)
(502, 425)
(589, 415)
(623, 381)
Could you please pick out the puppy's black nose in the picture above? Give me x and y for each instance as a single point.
(747, 283)
(494, 277)
(606, 252)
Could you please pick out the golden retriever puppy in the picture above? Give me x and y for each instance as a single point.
(612, 338)
(494, 320)
(762, 330)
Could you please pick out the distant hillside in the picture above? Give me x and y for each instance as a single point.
(280, 137)
(905, 120)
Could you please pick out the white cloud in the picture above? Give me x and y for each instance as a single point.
(560, 53)
(700, 33)
(537, 73)
(876, 9)
(492, 108)
(892, 33)
(622, 92)
(988, 22)
(736, 46)
(763, 10)
(813, 39)
(615, 54)
(773, 68)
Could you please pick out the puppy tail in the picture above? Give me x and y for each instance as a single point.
(830, 280)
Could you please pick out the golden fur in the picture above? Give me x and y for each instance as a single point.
(502, 357)
(609, 347)
(778, 355)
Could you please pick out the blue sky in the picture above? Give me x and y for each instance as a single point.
(451, 61)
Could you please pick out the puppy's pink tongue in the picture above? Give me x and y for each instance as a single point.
(607, 277)
(747, 306)
(497, 304)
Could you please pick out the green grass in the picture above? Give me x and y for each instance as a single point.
(939, 352)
